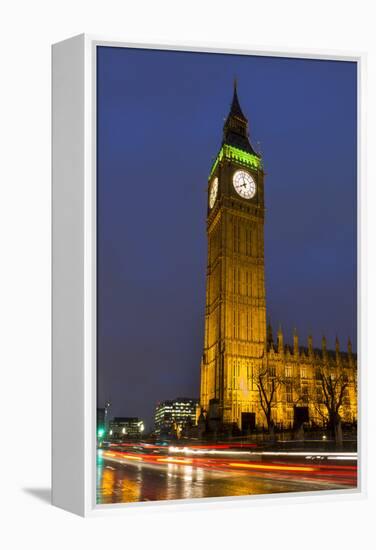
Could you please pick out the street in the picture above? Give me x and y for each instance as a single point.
(146, 474)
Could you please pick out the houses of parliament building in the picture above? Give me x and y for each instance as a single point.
(249, 377)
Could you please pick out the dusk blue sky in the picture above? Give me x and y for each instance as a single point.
(160, 118)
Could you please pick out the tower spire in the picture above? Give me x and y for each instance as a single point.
(235, 109)
(323, 346)
(310, 344)
(338, 357)
(296, 342)
(269, 335)
(349, 352)
(280, 339)
(235, 130)
(337, 344)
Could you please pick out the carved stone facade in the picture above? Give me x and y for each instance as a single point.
(241, 365)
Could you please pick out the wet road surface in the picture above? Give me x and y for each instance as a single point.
(131, 477)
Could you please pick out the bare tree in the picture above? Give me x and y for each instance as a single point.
(267, 384)
(325, 393)
(332, 380)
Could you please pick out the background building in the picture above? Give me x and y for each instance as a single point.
(173, 416)
(126, 427)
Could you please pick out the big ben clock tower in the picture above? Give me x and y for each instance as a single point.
(235, 317)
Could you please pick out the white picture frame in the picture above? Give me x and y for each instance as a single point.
(74, 276)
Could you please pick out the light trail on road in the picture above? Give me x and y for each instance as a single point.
(140, 471)
(268, 465)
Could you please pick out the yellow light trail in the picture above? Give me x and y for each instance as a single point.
(175, 460)
(273, 467)
(121, 455)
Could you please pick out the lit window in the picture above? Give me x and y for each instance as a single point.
(288, 372)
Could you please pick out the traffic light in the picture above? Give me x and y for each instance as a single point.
(100, 433)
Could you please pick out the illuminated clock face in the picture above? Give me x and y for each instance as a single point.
(244, 184)
(213, 192)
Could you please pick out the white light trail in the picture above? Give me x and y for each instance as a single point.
(329, 455)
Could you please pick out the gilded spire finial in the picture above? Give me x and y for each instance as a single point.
(310, 343)
(280, 338)
(296, 341)
(269, 333)
(323, 344)
(349, 346)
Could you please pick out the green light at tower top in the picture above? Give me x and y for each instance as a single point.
(238, 155)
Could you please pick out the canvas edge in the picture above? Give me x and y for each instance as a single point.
(68, 382)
